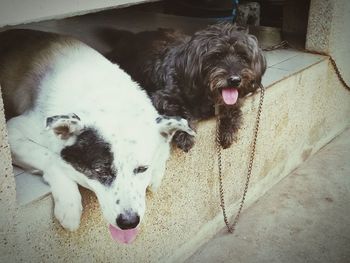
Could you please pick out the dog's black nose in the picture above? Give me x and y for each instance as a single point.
(234, 81)
(128, 220)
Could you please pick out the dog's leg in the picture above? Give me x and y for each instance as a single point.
(230, 122)
(28, 153)
(183, 140)
(67, 198)
(167, 104)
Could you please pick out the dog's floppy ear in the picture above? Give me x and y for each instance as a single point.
(64, 126)
(168, 126)
(258, 64)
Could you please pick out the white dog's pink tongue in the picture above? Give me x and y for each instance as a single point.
(123, 236)
(230, 95)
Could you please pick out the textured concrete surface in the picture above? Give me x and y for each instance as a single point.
(7, 193)
(329, 31)
(319, 26)
(304, 218)
(301, 114)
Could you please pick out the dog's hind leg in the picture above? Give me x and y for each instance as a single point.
(28, 153)
(230, 122)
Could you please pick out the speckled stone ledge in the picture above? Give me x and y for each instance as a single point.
(302, 112)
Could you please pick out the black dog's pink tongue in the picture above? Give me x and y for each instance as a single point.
(230, 95)
(123, 236)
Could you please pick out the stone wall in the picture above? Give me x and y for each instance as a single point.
(329, 31)
(7, 193)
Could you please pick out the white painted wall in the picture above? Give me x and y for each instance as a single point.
(14, 12)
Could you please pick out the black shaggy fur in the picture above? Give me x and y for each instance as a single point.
(184, 75)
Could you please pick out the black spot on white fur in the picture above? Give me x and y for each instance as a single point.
(92, 156)
(140, 169)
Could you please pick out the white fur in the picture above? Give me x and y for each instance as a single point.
(102, 95)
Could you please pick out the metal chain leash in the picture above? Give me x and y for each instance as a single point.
(337, 71)
(232, 228)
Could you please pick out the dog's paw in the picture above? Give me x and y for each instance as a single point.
(184, 141)
(68, 214)
(226, 139)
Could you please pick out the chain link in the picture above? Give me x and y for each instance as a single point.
(337, 71)
(232, 228)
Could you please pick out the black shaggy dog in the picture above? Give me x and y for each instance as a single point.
(188, 75)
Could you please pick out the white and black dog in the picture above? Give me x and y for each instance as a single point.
(79, 119)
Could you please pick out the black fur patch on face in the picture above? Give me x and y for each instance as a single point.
(92, 156)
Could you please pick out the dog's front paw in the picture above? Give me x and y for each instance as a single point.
(184, 141)
(226, 139)
(68, 213)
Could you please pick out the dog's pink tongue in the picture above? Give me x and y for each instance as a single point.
(230, 95)
(123, 236)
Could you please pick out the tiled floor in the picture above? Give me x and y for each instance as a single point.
(284, 63)
(29, 187)
(281, 63)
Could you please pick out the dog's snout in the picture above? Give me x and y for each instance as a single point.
(128, 220)
(234, 81)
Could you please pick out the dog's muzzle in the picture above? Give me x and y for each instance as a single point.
(128, 220)
(230, 93)
(234, 81)
(126, 230)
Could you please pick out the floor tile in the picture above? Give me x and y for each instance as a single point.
(277, 56)
(299, 62)
(274, 75)
(30, 188)
(17, 170)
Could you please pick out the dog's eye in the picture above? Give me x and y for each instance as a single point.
(98, 170)
(140, 169)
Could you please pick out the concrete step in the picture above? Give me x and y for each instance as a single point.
(304, 218)
(301, 113)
